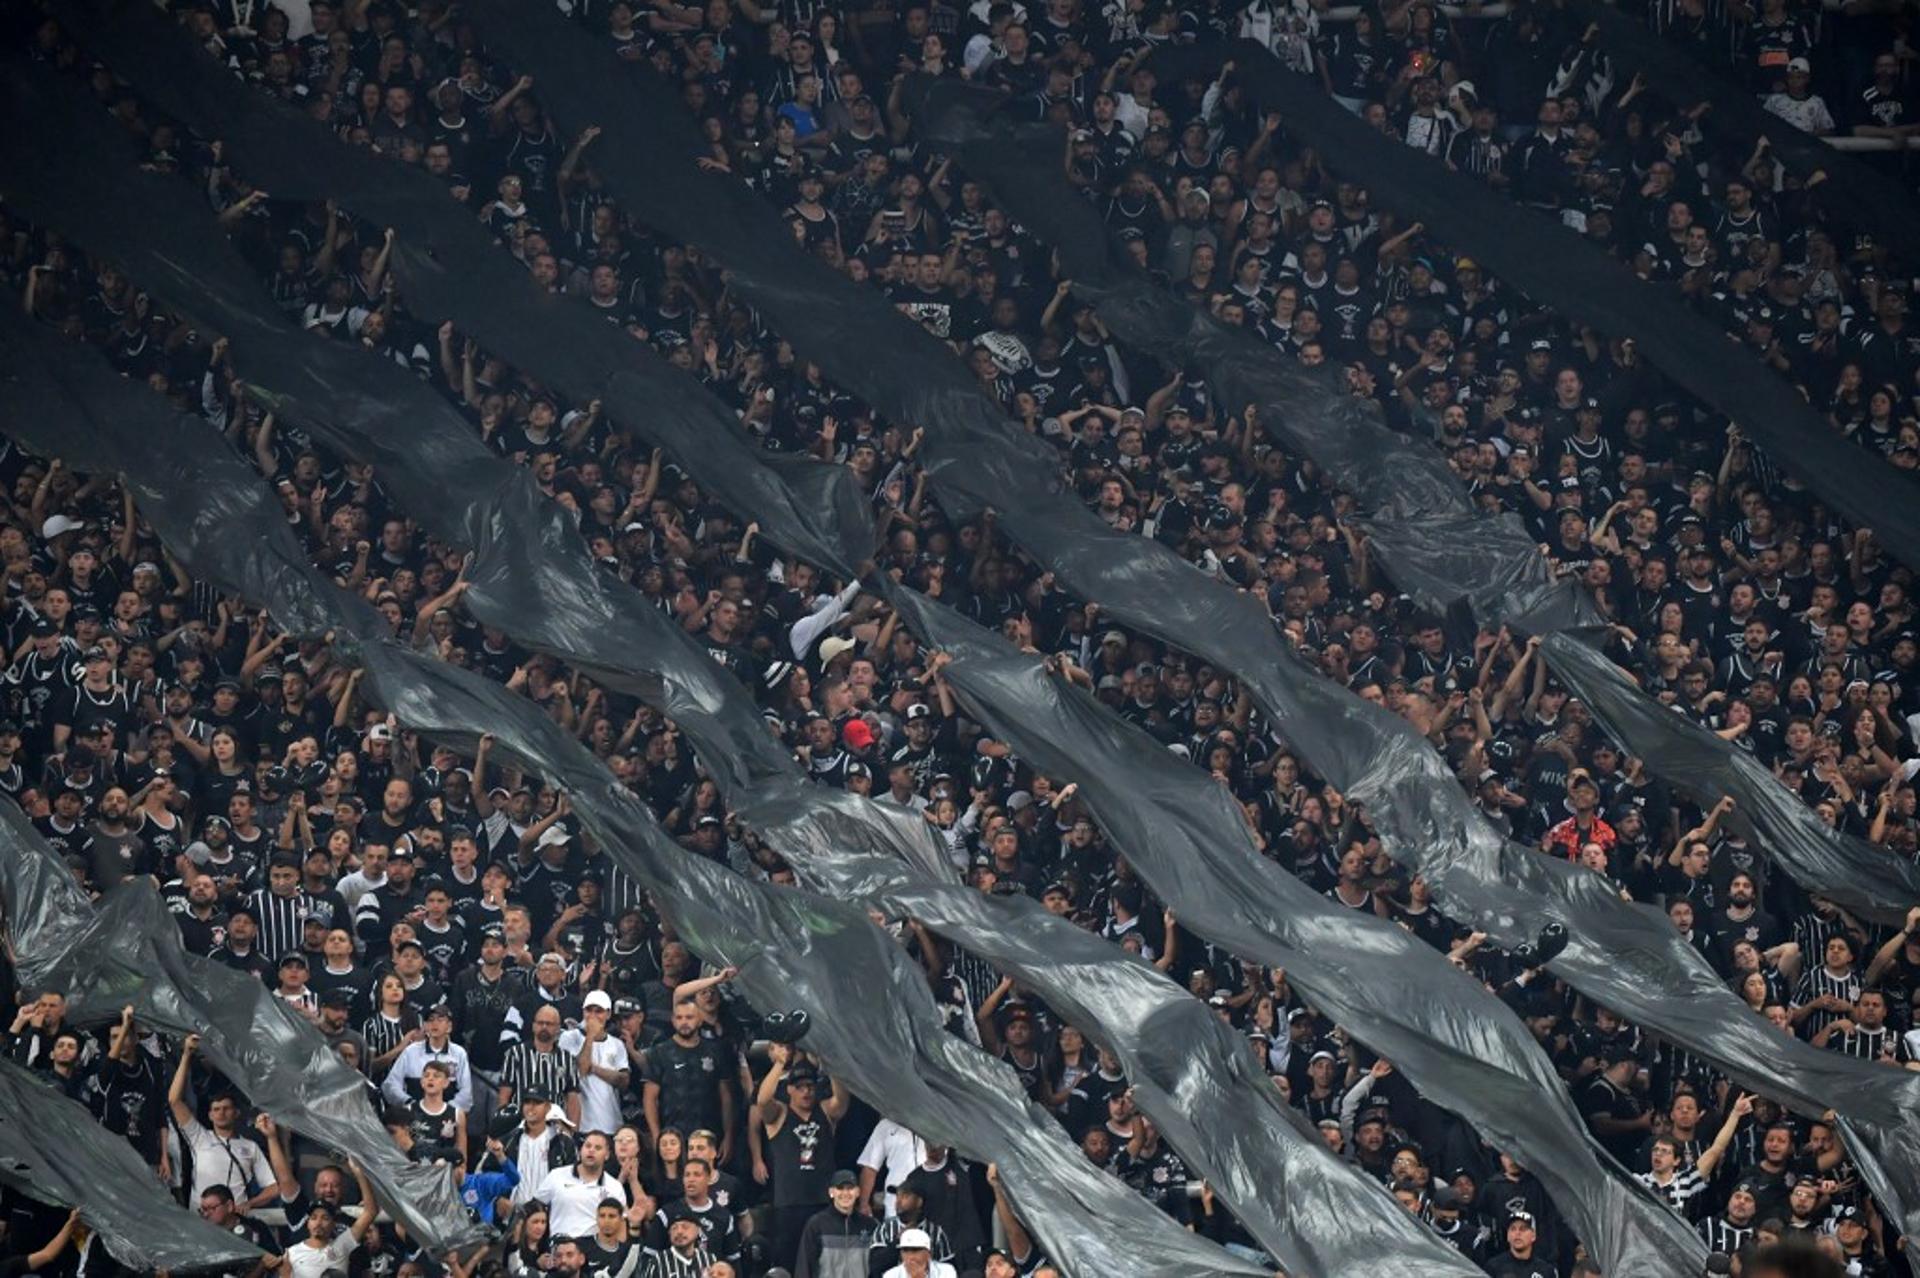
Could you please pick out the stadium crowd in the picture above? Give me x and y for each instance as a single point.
(519, 1011)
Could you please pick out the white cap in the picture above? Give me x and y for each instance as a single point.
(58, 524)
(599, 999)
(833, 647)
(915, 1240)
(552, 835)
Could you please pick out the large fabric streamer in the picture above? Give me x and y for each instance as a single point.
(1657, 980)
(977, 461)
(1357, 1225)
(793, 947)
(1419, 515)
(52, 1150)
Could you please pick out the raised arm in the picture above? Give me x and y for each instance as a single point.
(177, 1090)
(369, 1205)
(1710, 1156)
(286, 1181)
(39, 1261)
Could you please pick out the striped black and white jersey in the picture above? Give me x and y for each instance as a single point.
(525, 1066)
(384, 1035)
(1481, 156)
(1811, 932)
(1867, 1044)
(669, 1262)
(886, 1239)
(976, 974)
(1682, 1193)
(283, 921)
(1820, 982)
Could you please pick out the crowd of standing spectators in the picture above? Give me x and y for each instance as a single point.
(519, 1010)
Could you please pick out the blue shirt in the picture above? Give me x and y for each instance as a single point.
(480, 1190)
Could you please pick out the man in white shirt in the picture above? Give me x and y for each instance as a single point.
(438, 1045)
(222, 1153)
(891, 1153)
(605, 1069)
(916, 1259)
(573, 1194)
(541, 1142)
(371, 876)
(1800, 106)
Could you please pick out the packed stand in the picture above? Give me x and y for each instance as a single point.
(520, 1011)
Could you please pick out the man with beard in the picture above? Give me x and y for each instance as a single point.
(686, 1083)
(1733, 1229)
(537, 1065)
(574, 1194)
(1864, 1035)
(929, 741)
(1742, 919)
(117, 851)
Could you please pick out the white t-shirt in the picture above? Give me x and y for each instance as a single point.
(599, 1103)
(574, 1204)
(236, 1162)
(313, 1262)
(894, 1152)
(532, 1161)
(1808, 114)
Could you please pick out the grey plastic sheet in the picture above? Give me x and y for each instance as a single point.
(52, 1150)
(822, 953)
(1853, 193)
(976, 462)
(1625, 956)
(1536, 255)
(873, 1018)
(1419, 517)
(1249, 1159)
(1188, 840)
(104, 960)
(1260, 1158)
(1185, 575)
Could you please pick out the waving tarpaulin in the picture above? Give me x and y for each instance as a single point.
(977, 461)
(822, 954)
(1419, 515)
(1462, 1045)
(52, 1150)
(891, 332)
(1200, 1070)
(1625, 956)
(1187, 838)
(105, 960)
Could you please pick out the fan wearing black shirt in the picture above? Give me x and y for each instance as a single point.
(687, 1082)
(610, 1253)
(1519, 1260)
